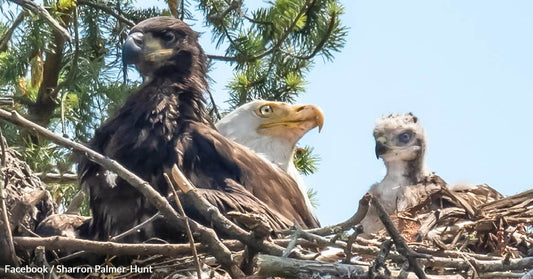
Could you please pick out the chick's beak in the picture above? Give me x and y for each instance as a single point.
(381, 147)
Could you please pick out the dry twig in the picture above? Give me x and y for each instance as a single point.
(187, 226)
(401, 246)
(354, 220)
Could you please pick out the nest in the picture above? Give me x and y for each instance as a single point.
(448, 234)
(27, 200)
(26, 203)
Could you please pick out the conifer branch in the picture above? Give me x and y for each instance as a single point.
(283, 37)
(43, 13)
(217, 19)
(222, 57)
(9, 33)
(108, 10)
(320, 45)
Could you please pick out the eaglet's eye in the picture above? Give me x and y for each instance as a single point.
(265, 110)
(405, 137)
(168, 37)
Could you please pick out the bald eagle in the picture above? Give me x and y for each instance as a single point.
(165, 123)
(401, 143)
(272, 130)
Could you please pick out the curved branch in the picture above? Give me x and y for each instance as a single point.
(354, 220)
(43, 13)
(9, 33)
(108, 10)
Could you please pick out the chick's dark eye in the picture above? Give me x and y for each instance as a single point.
(405, 137)
(168, 37)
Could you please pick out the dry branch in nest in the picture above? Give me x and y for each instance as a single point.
(450, 236)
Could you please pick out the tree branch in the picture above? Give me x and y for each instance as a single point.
(9, 33)
(320, 45)
(401, 246)
(106, 247)
(58, 178)
(108, 10)
(283, 37)
(43, 13)
(341, 227)
(187, 226)
(217, 19)
(222, 58)
(293, 268)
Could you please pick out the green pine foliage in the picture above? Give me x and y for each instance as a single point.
(306, 160)
(271, 49)
(313, 197)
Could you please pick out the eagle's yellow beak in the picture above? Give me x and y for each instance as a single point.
(285, 117)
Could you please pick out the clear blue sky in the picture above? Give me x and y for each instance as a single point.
(465, 68)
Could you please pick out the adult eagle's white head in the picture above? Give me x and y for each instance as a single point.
(272, 130)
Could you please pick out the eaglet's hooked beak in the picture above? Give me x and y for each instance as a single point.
(145, 51)
(132, 49)
(381, 146)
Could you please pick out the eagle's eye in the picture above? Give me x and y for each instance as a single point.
(265, 110)
(168, 37)
(405, 137)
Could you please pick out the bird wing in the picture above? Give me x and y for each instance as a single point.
(233, 168)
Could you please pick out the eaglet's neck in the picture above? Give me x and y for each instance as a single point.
(402, 173)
